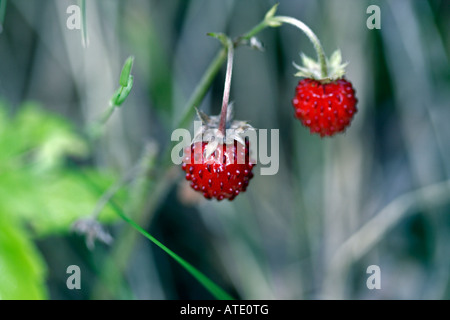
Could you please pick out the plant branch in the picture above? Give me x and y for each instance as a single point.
(250, 34)
(202, 89)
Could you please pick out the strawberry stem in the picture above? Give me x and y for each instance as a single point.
(312, 37)
(227, 87)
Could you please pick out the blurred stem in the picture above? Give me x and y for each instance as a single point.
(202, 88)
(84, 35)
(94, 129)
(253, 32)
(106, 114)
(2, 13)
(376, 228)
(110, 193)
(227, 87)
(312, 37)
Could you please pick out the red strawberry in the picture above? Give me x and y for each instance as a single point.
(326, 108)
(219, 166)
(324, 100)
(223, 174)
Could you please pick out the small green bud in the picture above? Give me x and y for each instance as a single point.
(271, 12)
(125, 74)
(113, 100)
(123, 92)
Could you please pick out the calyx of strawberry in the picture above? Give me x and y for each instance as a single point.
(209, 131)
(311, 68)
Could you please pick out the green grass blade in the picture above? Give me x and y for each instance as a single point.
(209, 285)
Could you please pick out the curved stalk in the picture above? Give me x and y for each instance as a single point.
(312, 37)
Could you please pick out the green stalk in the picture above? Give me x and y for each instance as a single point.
(253, 32)
(202, 88)
(312, 37)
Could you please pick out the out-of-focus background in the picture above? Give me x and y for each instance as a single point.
(376, 195)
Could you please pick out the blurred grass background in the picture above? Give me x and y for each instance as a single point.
(378, 194)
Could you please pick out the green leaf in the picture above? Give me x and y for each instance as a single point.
(36, 184)
(49, 203)
(126, 70)
(37, 136)
(54, 150)
(22, 271)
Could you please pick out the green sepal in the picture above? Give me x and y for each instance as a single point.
(310, 68)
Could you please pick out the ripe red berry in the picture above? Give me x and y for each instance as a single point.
(326, 108)
(223, 174)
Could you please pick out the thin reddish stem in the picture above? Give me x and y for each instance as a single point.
(226, 90)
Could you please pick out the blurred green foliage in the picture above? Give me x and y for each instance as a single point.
(41, 193)
(22, 270)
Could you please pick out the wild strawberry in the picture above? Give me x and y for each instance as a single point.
(219, 166)
(218, 161)
(326, 108)
(324, 101)
(221, 175)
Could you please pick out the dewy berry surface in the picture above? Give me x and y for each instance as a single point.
(325, 108)
(223, 175)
